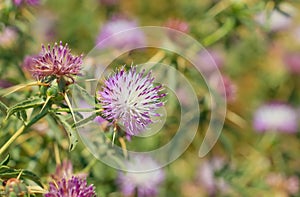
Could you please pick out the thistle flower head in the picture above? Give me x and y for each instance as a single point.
(144, 183)
(65, 170)
(275, 117)
(74, 187)
(131, 98)
(56, 61)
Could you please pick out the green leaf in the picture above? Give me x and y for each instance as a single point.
(5, 161)
(29, 103)
(73, 139)
(7, 173)
(22, 115)
(84, 94)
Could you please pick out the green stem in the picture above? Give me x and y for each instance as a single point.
(88, 168)
(219, 33)
(17, 134)
(77, 110)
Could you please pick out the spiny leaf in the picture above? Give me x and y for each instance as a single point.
(84, 94)
(7, 173)
(73, 140)
(84, 121)
(29, 103)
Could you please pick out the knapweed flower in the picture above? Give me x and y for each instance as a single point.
(144, 182)
(131, 99)
(65, 170)
(73, 187)
(275, 117)
(56, 61)
(114, 27)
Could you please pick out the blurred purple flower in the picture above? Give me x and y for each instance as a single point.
(8, 36)
(292, 62)
(177, 24)
(209, 61)
(29, 62)
(131, 98)
(144, 183)
(57, 61)
(5, 83)
(207, 179)
(73, 187)
(28, 2)
(122, 40)
(216, 82)
(275, 117)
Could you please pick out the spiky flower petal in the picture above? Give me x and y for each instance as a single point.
(74, 187)
(131, 98)
(56, 61)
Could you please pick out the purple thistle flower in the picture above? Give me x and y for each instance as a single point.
(58, 62)
(144, 183)
(65, 170)
(116, 25)
(74, 187)
(275, 117)
(131, 98)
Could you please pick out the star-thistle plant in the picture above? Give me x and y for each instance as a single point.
(56, 62)
(131, 98)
